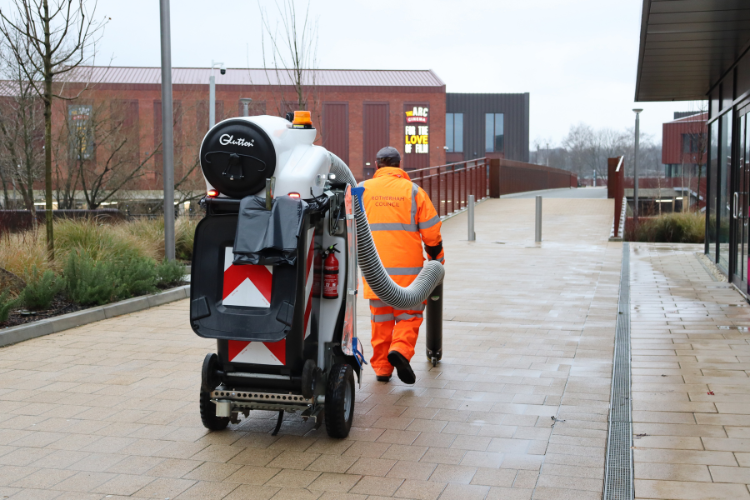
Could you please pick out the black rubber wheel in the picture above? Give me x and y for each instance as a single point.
(209, 377)
(308, 379)
(208, 414)
(339, 407)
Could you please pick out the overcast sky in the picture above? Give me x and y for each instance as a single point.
(577, 58)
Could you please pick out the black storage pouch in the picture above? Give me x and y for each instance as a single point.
(268, 238)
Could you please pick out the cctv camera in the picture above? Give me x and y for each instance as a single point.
(223, 71)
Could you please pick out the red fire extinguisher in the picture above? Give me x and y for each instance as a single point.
(331, 274)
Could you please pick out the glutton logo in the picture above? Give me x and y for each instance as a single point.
(227, 139)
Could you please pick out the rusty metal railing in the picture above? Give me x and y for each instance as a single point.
(449, 186)
(616, 190)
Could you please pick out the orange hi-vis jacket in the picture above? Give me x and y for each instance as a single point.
(401, 217)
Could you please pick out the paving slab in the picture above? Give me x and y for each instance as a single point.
(111, 408)
(689, 339)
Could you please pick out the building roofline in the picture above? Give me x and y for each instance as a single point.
(692, 118)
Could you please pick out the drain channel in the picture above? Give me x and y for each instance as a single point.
(618, 469)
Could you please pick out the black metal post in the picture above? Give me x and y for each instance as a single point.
(434, 325)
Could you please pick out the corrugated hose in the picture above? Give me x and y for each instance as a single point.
(398, 297)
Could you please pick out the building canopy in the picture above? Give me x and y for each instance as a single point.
(687, 45)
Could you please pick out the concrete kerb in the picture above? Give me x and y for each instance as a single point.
(58, 324)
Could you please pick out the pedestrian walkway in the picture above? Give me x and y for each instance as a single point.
(517, 409)
(691, 393)
(584, 192)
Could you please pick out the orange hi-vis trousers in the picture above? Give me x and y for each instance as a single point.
(392, 330)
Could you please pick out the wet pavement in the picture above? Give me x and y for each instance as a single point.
(585, 192)
(691, 393)
(517, 409)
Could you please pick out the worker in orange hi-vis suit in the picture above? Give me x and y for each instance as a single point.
(401, 218)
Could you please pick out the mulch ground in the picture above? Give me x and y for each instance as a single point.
(59, 306)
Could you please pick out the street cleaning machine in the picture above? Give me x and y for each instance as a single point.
(280, 212)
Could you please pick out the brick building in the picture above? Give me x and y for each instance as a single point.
(356, 112)
(685, 144)
(110, 135)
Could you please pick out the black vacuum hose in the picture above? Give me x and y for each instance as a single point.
(398, 297)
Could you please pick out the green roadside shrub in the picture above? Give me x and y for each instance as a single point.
(670, 228)
(170, 272)
(6, 304)
(95, 283)
(41, 289)
(135, 276)
(87, 282)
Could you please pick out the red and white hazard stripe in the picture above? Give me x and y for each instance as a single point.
(267, 353)
(309, 281)
(246, 285)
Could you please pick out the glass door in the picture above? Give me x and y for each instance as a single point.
(740, 202)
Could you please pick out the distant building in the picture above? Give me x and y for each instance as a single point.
(684, 144)
(491, 125)
(118, 119)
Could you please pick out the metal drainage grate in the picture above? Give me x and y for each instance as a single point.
(618, 470)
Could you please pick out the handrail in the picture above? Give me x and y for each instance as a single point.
(449, 186)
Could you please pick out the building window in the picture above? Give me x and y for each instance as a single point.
(454, 132)
(691, 143)
(81, 135)
(493, 130)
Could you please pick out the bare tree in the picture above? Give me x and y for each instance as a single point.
(103, 149)
(292, 55)
(21, 130)
(67, 175)
(58, 36)
(695, 158)
(585, 150)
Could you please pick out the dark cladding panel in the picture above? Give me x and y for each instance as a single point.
(336, 129)
(515, 110)
(743, 76)
(375, 129)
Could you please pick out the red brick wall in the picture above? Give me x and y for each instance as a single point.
(191, 98)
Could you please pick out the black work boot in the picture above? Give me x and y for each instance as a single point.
(383, 378)
(402, 366)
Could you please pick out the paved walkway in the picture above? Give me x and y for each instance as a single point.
(110, 410)
(584, 192)
(691, 396)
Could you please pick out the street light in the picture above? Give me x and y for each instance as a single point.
(167, 131)
(245, 103)
(212, 92)
(637, 112)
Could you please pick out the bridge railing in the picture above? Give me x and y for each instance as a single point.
(616, 190)
(449, 186)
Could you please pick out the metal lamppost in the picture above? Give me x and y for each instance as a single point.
(637, 112)
(212, 92)
(245, 103)
(167, 132)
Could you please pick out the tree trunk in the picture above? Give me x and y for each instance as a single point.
(48, 132)
(30, 197)
(6, 198)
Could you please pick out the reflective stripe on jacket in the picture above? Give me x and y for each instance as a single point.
(401, 218)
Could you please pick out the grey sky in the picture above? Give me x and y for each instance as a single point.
(577, 58)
